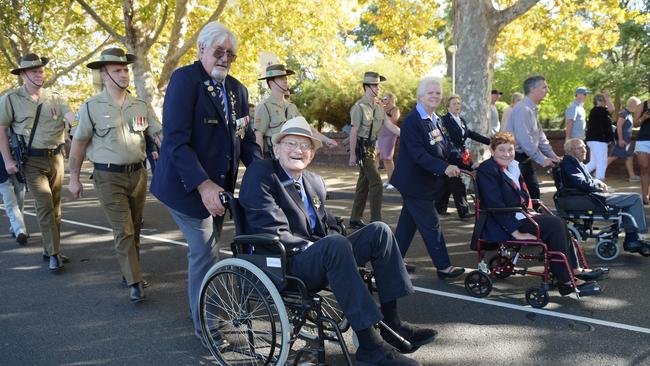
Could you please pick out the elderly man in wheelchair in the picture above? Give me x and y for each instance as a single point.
(281, 199)
(578, 188)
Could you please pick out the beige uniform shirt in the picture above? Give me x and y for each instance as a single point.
(272, 113)
(366, 115)
(51, 123)
(119, 131)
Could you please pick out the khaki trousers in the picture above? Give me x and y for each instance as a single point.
(369, 187)
(122, 196)
(44, 177)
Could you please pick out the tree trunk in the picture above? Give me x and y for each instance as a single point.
(477, 25)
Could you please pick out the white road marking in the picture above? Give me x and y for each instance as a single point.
(533, 310)
(527, 309)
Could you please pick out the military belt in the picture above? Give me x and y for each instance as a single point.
(47, 153)
(114, 168)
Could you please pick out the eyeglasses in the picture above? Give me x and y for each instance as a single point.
(293, 145)
(219, 52)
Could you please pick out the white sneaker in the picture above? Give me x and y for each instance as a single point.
(389, 186)
(635, 178)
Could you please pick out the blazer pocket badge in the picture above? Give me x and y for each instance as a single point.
(241, 125)
(315, 201)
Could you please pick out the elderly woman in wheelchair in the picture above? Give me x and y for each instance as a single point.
(282, 200)
(581, 199)
(510, 217)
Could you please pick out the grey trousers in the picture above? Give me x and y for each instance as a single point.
(202, 236)
(632, 204)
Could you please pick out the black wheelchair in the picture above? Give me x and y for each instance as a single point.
(581, 209)
(253, 313)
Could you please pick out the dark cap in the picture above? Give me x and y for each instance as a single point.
(494, 91)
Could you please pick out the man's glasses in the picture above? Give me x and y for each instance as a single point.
(293, 146)
(219, 52)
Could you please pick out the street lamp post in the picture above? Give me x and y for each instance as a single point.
(452, 49)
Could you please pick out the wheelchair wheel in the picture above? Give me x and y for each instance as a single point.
(607, 250)
(501, 266)
(243, 317)
(332, 310)
(574, 232)
(536, 297)
(478, 284)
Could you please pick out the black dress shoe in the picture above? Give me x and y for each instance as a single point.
(55, 262)
(465, 215)
(21, 239)
(457, 271)
(591, 275)
(586, 289)
(410, 268)
(416, 336)
(356, 224)
(64, 259)
(136, 294)
(382, 357)
(145, 284)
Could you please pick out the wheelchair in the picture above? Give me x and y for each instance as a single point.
(253, 313)
(581, 209)
(509, 254)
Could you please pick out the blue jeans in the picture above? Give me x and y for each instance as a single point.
(13, 196)
(202, 236)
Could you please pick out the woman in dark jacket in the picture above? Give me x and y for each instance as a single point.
(501, 185)
(599, 136)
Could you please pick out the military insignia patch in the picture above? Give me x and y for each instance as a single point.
(75, 121)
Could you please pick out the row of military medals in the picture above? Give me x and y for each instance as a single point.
(240, 124)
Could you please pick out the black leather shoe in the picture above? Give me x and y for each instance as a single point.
(382, 357)
(21, 239)
(465, 215)
(356, 224)
(594, 274)
(410, 268)
(416, 336)
(457, 271)
(55, 262)
(64, 259)
(586, 289)
(145, 284)
(136, 293)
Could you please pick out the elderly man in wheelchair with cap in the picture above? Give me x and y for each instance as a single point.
(282, 198)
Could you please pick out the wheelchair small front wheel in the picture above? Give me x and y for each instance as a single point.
(607, 250)
(501, 266)
(478, 284)
(537, 297)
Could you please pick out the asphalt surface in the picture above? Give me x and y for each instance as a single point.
(83, 317)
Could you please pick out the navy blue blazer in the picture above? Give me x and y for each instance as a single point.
(497, 191)
(576, 176)
(457, 135)
(273, 205)
(420, 168)
(199, 143)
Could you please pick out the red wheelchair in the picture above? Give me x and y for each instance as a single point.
(510, 254)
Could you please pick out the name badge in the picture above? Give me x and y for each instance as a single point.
(213, 121)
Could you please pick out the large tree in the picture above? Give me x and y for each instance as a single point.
(517, 28)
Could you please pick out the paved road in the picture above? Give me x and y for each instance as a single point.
(83, 317)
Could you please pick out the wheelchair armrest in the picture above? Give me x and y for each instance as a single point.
(258, 239)
(502, 209)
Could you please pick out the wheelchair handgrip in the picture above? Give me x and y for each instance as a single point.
(503, 209)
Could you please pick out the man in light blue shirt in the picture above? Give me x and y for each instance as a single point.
(575, 115)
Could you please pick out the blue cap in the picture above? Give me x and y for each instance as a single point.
(582, 90)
